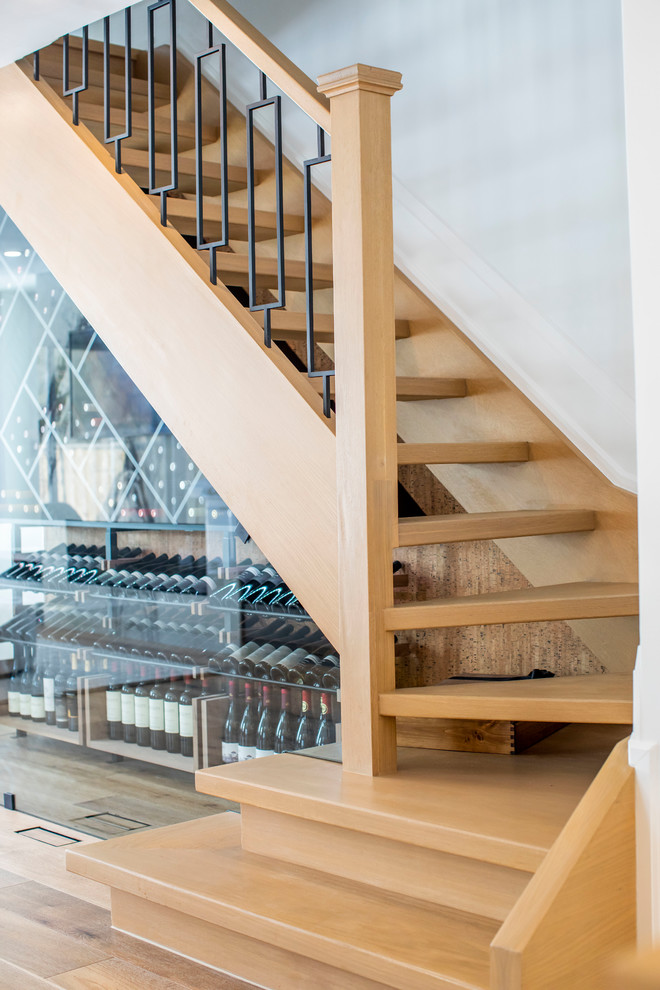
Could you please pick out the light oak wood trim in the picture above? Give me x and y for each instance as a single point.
(425, 874)
(94, 113)
(472, 735)
(419, 530)
(365, 362)
(415, 389)
(295, 325)
(183, 214)
(367, 78)
(139, 158)
(598, 698)
(579, 908)
(50, 64)
(269, 59)
(284, 492)
(488, 452)
(582, 600)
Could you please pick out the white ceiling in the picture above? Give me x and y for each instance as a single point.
(31, 24)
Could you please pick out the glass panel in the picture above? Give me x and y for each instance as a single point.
(142, 631)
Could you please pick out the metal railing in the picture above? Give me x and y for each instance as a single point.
(258, 301)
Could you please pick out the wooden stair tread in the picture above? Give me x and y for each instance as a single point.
(183, 213)
(50, 66)
(95, 47)
(138, 159)
(419, 530)
(414, 389)
(294, 325)
(580, 600)
(484, 452)
(93, 112)
(597, 698)
(233, 270)
(504, 811)
(199, 868)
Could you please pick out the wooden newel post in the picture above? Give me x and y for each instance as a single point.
(365, 365)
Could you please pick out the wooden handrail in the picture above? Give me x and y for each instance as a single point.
(269, 59)
(579, 908)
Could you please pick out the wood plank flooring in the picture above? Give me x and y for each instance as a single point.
(56, 926)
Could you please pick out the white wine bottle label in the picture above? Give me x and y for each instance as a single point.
(37, 709)
(127, 709)
(49, 694)
(246, 753)
(25, 703)
(14, 702)
(156, 714)
(172, 716)
(185, 720)
(113, 706)
(263, 752)
(230, 752)
(142, 712)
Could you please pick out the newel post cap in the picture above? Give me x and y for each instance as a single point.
(359, 76)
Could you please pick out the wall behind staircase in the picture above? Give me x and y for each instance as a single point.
(510, 184)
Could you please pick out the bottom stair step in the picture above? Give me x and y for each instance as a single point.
(196, 873)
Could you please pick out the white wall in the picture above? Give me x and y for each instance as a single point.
(510, 183)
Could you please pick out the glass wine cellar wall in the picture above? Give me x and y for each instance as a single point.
(138, 620)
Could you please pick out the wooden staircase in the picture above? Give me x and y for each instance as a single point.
(355, 877)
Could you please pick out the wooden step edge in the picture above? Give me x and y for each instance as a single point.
(488, 452)
(463, 527)
(316, 790)
(581, 600)
(417, 389)
(50, 66)
(94, 113)
(95, 47)
(139, 158)
(186, 209)
(291, 325)
(198, 869)
(590, 698)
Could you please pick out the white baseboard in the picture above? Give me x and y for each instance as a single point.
(558, 377)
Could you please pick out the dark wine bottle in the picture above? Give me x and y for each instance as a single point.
(128, 711)
(37, 705)
(171, 709)
(26, 687)
(113, 704)
(267, 723)
(307, 727)
(157, 713)
(186, 718)
(142, 732)
(232, 726)
(72, 696)
(326, 733)
(247, 736)
(287, 725)
(61, 712)
(14, 687)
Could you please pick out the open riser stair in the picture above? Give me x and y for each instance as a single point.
(311, 376)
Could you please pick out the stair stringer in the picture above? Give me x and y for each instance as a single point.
(190, 347)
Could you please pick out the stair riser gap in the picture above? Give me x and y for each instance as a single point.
(425, 874)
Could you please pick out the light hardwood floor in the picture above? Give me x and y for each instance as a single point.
(56, 926)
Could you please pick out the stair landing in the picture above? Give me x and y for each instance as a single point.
(501, 810)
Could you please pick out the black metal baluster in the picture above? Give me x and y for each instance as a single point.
(73, 91)
(128, 87)
(35, 68)
(276, 103)
(223, 240)
(320, 159)
(174, 144)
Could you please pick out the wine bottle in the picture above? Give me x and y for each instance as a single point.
(280, 670)
(264, 667)
(157, 713)
(14, 687)
(171, 708)
(142, 732)
(231, 728)
(307, 730)
(266, 730)
(61, 711)
(186, 718)
(72, 696)
(50, 670)
(113, 704)
(287, 725)
(26, 688)
(128, 711)
(326, 733)
(247, 736)
(37, 704)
